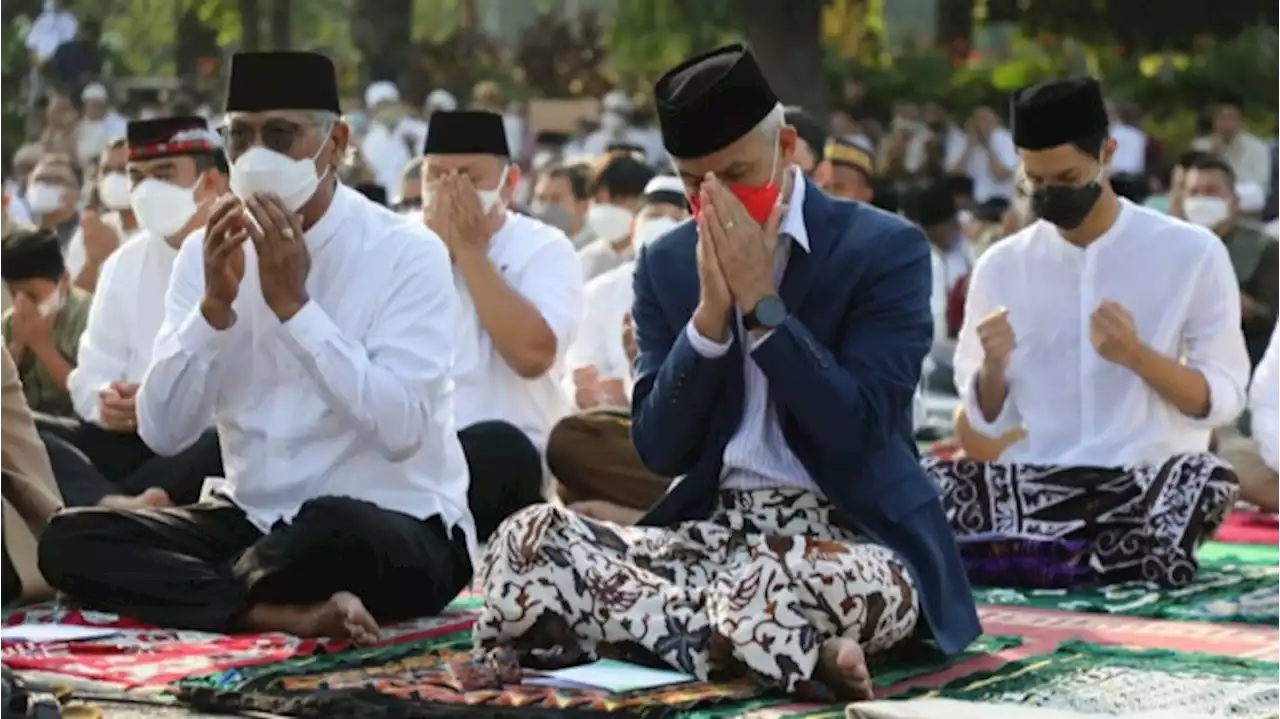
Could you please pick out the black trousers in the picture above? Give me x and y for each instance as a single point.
(506, 473)
(201, 567)
(130, 465)
(79, 482)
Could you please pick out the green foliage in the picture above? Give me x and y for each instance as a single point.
(13, 110)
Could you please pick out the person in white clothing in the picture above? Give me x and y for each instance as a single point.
(313, 326)
(98, 124)
(989, 157)
(1257, 457)
(1248, 154)
(1111, 333)
(521, 289)
(53, 27)
(108, 220)
(596, 468)
(615, 190)
(176, 169)
(393, 138)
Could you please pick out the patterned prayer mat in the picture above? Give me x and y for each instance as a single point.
(1223, 591)
(418, 674)
(138, 655)
(1097, 679)
(1249, 527)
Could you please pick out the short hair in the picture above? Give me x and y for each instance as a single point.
(412, 169)
(622, 176)
(64, 161)
(1214, 163)
(576, 175)
(214, 159)
(31, 253)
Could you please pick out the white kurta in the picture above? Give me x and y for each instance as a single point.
(1264, 404)
(1078, 408)
(606, 300)
(350, 397)
(124, 319)
(539, 262)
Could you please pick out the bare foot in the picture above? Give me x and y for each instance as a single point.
(151, 498)
(842, 666)
(606, 511)
(344, 615)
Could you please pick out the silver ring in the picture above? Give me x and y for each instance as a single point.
(287, 232)
(728, 225)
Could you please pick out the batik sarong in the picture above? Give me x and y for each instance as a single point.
(755, 590)
(1050, 526)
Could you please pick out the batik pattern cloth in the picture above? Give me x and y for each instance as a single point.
(1051, 526)
(754, 590)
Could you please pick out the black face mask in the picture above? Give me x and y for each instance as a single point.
(1064, 205)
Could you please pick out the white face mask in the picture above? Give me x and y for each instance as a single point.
(1206, 211)
(114, 190)
(44, 197)
(52, 304)
(488, 198)
(263, 170)
(162, 208)
(650, 229)
(609, 222)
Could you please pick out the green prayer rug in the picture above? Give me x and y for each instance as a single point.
(1096, 679)
(1226, 589)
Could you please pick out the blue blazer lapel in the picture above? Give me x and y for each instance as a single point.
(803, 267)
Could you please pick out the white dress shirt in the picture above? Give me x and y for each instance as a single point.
(606, 300)
(758, 456)
(1247, 154)
(74, 255)
(539, 263)
(124, 319)
(1130, 157)
(1264, 404)
(1078, 408)
(388, 151)
(350, 397)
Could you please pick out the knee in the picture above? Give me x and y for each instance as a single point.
(63, 547)
(527, 527)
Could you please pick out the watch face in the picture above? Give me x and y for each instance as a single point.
(770, 312)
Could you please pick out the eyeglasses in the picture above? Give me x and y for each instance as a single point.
(277, 134)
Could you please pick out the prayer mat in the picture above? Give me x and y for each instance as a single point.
(1092, 678)
(419, 675)
(1219, 552)
(1249, 527)
(1223, 591)
(138, 655)
(1047, 526)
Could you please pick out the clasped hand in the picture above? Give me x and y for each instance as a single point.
(278, 239)
(735, 253)
(454, 213)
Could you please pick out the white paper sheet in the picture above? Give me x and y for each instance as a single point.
(41, 633)
(611, 676)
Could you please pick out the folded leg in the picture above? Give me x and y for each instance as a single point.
(506, 473)
(399, 566)
(182, 475)
(79, 482)
(168, 567)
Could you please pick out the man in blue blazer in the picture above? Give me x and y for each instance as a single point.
(781, 335)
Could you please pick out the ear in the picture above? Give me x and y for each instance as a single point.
(787, 139)
(340, 137)
(513, 177)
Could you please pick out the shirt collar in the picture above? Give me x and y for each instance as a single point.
(327, 226)
(792, 224)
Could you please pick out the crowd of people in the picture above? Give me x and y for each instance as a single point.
(296, 364)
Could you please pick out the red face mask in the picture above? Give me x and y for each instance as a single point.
(757, 200)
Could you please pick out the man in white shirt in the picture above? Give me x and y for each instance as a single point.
(393, 138)
(98, 124)
(562, 197)
(803, 534)
(989, 157)
(934, 209)
(53, 27)
(1111, 333)
(176, 170)
(590, 454)
(616, 190)
(1256, 458)
(521, 289)
(106, 224)
(1247, 153)
(616, 110)
(314, 328)
(1130, 157)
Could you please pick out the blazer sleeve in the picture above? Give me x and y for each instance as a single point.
(28, 476)
(676, 388)
(852, 399)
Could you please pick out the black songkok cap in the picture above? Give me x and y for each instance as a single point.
(809, 129)
(1058, 112)
(711, 101)
(30, 253)
(164, 136)
(263, 81)
(469, 132)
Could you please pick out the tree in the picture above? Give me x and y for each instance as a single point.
(282, 25)
(382, 31)
(787, 40)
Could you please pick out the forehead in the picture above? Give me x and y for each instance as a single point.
(1051, 162)
(258, 118)
(460, 163)
(1206, 176)
(54, 172)
(159, 164)
(845, 173)
(746, 149)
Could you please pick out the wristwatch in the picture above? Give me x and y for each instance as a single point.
(768, 313)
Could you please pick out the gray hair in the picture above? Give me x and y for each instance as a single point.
(773, 123)
(321, 118)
